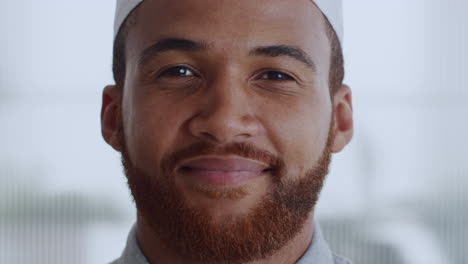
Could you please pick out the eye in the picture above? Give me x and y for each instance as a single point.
(276, 76)
(178, 71)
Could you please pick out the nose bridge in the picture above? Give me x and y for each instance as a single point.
(226, 97)
(226, 113)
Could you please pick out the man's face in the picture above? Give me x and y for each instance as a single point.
(227, 122)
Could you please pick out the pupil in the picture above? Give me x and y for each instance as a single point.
(178, 71)
(275, 76)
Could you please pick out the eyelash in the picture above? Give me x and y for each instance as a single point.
(283, 77)
(167, 72)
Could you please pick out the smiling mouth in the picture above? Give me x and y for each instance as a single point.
(190, 169)
(222, 172)
(220, 177)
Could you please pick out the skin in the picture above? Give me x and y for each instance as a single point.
(228, 100)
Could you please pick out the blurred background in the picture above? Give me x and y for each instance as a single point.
(397, 194)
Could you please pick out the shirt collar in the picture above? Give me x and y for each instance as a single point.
(132, 253)
(318, 251)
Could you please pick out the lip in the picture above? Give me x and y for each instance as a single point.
(222, 171)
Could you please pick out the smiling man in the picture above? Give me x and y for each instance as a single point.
(226, 114)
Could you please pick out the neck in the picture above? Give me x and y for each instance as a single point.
(157, 253)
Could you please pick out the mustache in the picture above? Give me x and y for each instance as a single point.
(241, 149)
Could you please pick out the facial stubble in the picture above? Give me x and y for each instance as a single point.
(192, 233)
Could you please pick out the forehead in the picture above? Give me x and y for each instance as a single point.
(231, 25)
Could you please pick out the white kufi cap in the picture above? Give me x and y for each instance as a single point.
(332, 9)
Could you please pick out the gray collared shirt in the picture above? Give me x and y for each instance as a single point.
(317, 253)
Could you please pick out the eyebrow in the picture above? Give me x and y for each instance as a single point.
(168, 44)
(286, 50)
(181, 44)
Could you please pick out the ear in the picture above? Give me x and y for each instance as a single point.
(343, 115)
(111, 116)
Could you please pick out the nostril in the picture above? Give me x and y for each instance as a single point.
(185, 168)
(208, 136)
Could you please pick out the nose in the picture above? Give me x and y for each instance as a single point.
(225, 114)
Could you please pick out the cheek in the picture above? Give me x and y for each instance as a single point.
(150, 129)
(299, 134)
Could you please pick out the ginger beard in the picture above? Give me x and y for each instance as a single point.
(192, 234)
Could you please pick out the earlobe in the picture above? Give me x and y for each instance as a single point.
(343, 115)
(111, 116)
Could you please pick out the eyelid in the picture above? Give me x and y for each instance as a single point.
(188, 66)
(257, 74)
(286, 76)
